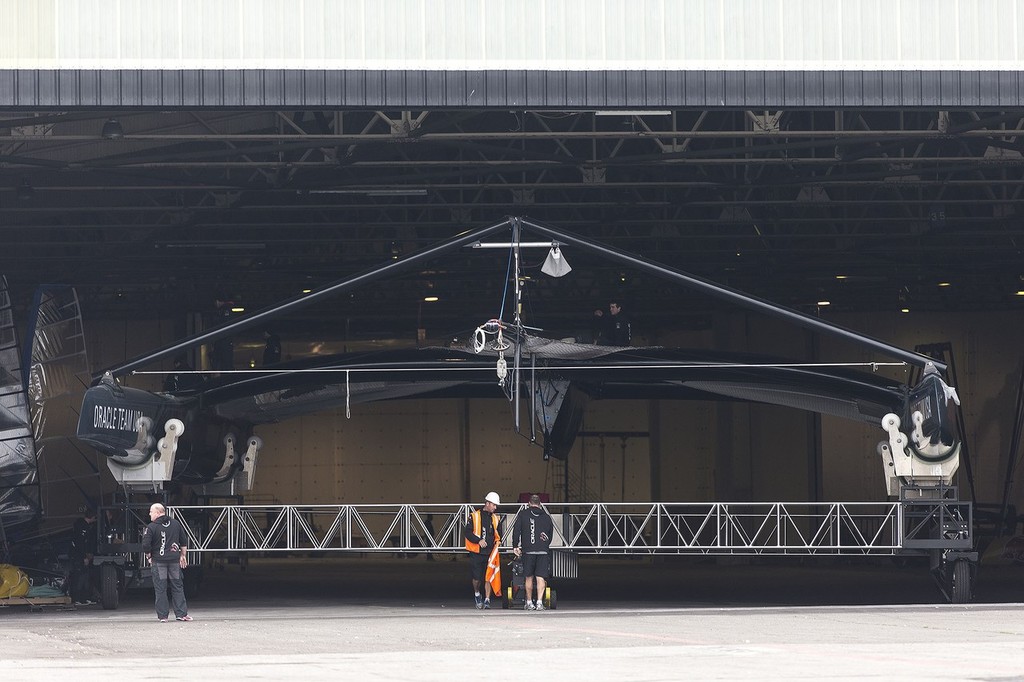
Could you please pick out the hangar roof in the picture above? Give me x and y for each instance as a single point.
(871, 209)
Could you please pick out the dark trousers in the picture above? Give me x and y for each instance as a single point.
(164, 574)
(80, 577)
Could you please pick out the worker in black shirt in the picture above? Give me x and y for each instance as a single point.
(613, 329)
(272, 348)
(531, 540)
(83, 547)
(618, 330)
(165, 546)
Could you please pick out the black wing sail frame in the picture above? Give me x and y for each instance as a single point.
(19, 475)
(58, 372)
(236, 401)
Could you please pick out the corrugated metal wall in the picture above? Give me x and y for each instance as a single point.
(513, 34)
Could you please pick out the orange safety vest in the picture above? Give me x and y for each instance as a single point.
(477, 531)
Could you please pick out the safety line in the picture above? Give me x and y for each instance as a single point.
(561, 368)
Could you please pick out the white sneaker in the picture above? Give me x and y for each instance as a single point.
(540, 606)
(530, 606)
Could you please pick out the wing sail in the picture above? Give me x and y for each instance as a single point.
(19, 475)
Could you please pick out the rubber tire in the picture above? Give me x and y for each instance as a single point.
(108, 586)
(550, 598)
(960, 590)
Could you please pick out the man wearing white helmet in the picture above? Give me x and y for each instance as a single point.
(482, 542)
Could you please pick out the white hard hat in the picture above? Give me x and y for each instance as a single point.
(492, 497)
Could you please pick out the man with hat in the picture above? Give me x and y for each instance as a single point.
(482, 542)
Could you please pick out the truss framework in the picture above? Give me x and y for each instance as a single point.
(893, 201)
(752, 528)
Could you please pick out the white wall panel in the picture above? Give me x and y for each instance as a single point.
(513, 34)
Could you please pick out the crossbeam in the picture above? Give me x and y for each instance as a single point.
(712, 528)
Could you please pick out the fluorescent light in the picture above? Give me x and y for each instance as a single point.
(841, 276)
(373, 192)
(944, 284)
(430, 299)
(306, 291)
(824, 303)
(904, 310)
(238, 309)
(396, 193)
(506, 245)
(626, 112)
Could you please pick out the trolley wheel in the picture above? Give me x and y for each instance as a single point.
(506, 600)
(108, 586)
(961, 587)
(550, 598)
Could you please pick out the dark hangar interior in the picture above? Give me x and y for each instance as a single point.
(153, 212)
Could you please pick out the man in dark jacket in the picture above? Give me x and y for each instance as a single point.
(165, 546)
(531, 540)
(83, 546)
(272, 349)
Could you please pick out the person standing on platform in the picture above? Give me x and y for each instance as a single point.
(482, 540)
(183, 378)
(618, 329)
(531, 538)
(164, 543)
(272, 349)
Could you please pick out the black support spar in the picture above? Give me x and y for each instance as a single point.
(734, 296)
(466, 238)
(297, 302)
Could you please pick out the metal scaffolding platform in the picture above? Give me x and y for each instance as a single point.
(748, 528)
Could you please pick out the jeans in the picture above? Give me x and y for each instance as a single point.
(164, 573)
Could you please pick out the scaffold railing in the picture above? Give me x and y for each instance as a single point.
(748, 528)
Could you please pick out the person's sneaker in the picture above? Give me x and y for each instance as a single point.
(487, 603)
(187, 618)
(530, 606)
(479, 602)
(540, 606)
(163, 620)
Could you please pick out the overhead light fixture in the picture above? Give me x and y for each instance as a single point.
(822, 304)
(555, 264)
(1019, 293)
(112, 129)
(842, 276)
(506, 245)
(945, 284)
(638, 112)
(396, 193)
(904, 310)
(306, 291)
(237, 309)
(24, 191)
(431, 299)
(373, 192)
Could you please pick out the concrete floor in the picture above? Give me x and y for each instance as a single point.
(410, 619)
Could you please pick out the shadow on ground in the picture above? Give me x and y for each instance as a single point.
(603, 582)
